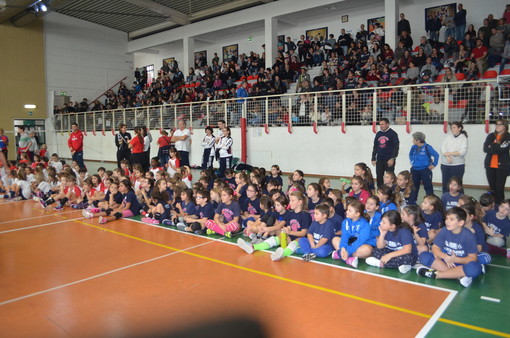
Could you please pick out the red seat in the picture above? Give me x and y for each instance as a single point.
(505, 72)
(439, 78)
(462, 104)
(460, 76)
(490, 74)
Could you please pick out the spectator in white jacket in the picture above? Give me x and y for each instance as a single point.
(453, 152)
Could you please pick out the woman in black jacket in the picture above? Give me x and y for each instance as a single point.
(497, 160)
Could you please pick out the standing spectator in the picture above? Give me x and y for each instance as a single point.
(403, 25)
(3, 159)
(423, 159)
(34, 146)
(344, 40)
(75, 143)
(289, 44)
(182, 140)
(24, 142)
(432, 26)
(226, 154)
(449, 23)
(147, 139)
(385, 151)
(505, 56)
(242, 94)
(122, 143)
(136, 146)
(362, 34)
(497, 160)
(453, 150)
(164, 143)
(460, 22)
(5, 144)
(506, 14)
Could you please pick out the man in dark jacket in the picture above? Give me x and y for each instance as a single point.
(432, 26)
(385, 152)
(403, 25)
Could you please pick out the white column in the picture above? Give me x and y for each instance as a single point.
(188, 55)
(271, 36)
(391, 17)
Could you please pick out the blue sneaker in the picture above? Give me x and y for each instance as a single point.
(58, 207)
(167, 222)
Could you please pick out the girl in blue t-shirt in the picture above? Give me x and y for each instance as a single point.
(128, 208)
(226, 217)
(451, 198)
(317, 242)
(432, 212)
(251, 205)
(472, 224)
(497, 227)
(395, 244)
(386, 199)
(412, 215)
(252, 225)
(204, 211)
(241, 180)
(405, 189)
(160, 209)
(372, 211)
(337, 197)
(314, 194)
(356, 235)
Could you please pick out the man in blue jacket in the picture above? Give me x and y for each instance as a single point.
(423, 159)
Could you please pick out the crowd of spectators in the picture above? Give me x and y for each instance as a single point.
(345, 62)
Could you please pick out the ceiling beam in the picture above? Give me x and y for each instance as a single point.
(172, 14)
(228, 7)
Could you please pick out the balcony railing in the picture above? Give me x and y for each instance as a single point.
(471, 102)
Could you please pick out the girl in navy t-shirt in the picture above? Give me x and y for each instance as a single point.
(314, 194)
(241, 180)
(128, 208)
(251, 205)
(472, 224)
(386, 199)
(317, 242)
(254, 223)
(497, 228)
(159, 212)
(395, 244)
(227, 215)
(336, 196)
(412, 215)
(451, 198)
(432, 212)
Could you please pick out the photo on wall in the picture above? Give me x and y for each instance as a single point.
(229, 51)
(372, 23)
(168, 61)
(320, 33)
(281, 43)
(200, 59)
(440, 11)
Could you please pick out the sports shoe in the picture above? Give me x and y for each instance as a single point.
(245, 246)
(404, 268)
(483, 268)
(209, 232)
(277, 255)
(228, 234)
(309, 256)
(94, 210)
(35, 198)
(426, 272)
(58, 207)
(167, 222)
(87, 214)
(508, 253)
(352, 261)
(102, 220)
(465, 281)
(335, 255)
(146, 220)
(17, 198)
(417, 266)
(43, 204)
(180, 226)
(374, 262)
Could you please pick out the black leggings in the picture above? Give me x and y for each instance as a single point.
(394, 263)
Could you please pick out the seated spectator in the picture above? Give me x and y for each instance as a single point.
(497, 44)
(420, 58)
(505, 56)
(427, 48)
(462, 59)
(430, 67)
(388, 54)
(451, 48)
(406, 40)
(479, 55)
(469, 43)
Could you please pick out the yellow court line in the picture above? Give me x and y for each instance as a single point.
(343, 294)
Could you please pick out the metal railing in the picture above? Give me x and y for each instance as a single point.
(471, 102)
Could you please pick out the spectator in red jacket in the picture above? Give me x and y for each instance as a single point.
(75, 144)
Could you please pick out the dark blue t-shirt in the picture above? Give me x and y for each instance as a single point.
(462, 244)
(228, 212)
(130, 197)
(298, 221)
(450, 201)
(422, 232)
(479, 236)
(337, 222)
(206, 211)
(188, 208)
(432, 221)
(500, 226)
(396, 240)
(252, 207)
(339, 209)
(319, 231)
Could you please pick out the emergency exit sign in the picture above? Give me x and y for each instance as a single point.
(63, 93)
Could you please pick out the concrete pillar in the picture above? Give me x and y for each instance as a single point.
(188, 55)
(391, 17)
(270, 38)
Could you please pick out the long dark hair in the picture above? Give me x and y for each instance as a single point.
(505, 133)
(393, 217)
(138, 133)
(461, 126)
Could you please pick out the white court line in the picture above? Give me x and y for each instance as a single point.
(437, 314)
(26, 219)
(98, 275)
(40, 225)
(499, 266)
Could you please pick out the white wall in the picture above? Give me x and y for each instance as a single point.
(82, 58)
(330, 152)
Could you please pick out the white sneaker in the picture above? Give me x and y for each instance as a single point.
(35, 198)
(277, 255)
(417, 266)
(404, 268)
(86, 213)
(245, 246)
(374, 262)
(465, 281)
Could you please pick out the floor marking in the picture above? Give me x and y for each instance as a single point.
(98, 275)
(26, 219)
(436, 316)
(499, 266)
(490, 299)
(40, 225)
(475, 328)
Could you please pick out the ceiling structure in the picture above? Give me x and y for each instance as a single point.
(138, 18)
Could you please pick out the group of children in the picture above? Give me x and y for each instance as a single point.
(448, 237)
